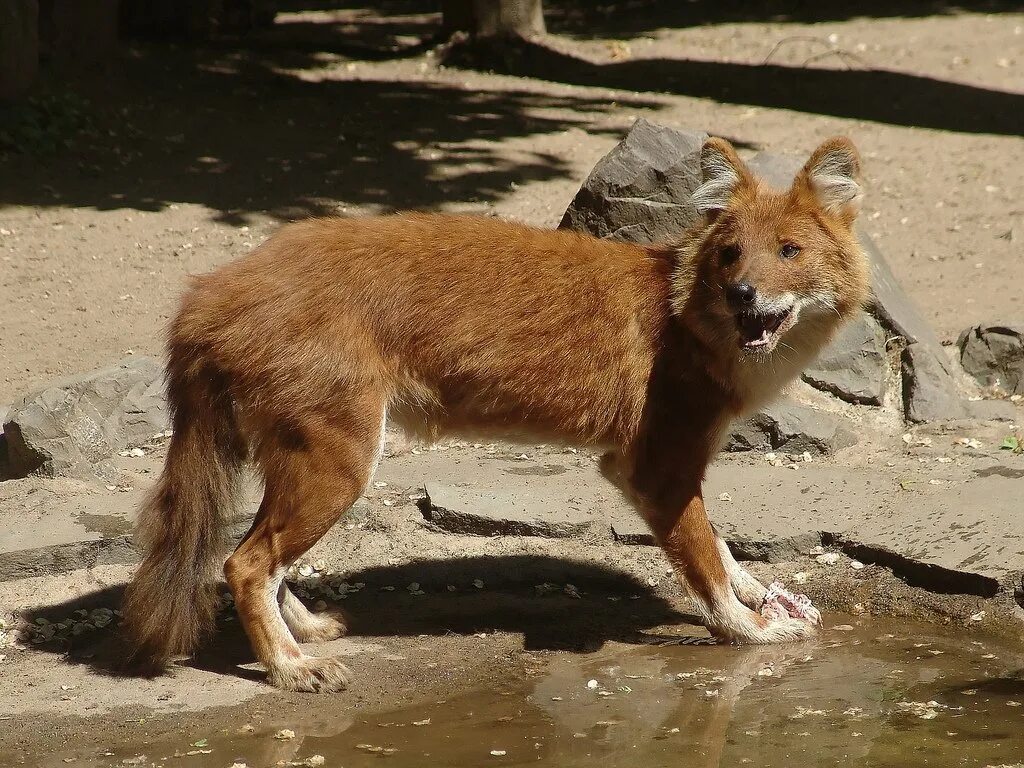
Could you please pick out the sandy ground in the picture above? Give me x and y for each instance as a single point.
(192, 156)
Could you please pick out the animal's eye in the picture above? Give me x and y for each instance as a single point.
(788, 251)
(729, 254)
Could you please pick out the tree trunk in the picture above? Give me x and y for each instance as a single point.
(493, 18)
(19, 46)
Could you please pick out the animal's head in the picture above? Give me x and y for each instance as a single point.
(768, 263)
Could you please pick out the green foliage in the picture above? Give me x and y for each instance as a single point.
(1013, 444)
(43, 124)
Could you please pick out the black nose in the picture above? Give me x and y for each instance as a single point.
(740, 295)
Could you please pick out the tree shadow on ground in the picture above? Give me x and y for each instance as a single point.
(509, 602)
(251, 130)
(630, 18)
(883, 96)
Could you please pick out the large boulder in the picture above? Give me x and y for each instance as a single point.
(994, 355)
(72, 426)
(641, 190)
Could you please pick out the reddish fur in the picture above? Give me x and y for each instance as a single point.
(458, 324)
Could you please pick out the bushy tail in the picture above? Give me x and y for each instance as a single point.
(171, 604)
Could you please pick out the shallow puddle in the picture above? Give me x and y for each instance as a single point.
(873, 693)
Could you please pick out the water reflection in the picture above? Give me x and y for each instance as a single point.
(878, 693)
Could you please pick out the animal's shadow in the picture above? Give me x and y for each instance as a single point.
(521, 594)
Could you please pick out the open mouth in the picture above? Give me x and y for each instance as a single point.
(759, 331)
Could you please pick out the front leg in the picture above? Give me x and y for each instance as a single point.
(749, 590)
(706, 567)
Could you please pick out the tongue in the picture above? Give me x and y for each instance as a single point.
(760, 341)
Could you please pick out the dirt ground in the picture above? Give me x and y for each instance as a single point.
(189, 156)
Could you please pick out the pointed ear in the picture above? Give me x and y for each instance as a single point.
(832, 175)
(722, 174)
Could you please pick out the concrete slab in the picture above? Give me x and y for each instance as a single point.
(775, 513)
(49, 526)
(485, 510)
(972, 529)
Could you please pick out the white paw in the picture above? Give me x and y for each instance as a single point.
(311, 674)
(739, 624)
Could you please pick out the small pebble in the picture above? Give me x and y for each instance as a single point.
(284, 734)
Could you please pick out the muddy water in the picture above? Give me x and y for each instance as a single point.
(873, 693)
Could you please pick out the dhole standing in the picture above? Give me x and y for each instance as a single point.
(295, 355)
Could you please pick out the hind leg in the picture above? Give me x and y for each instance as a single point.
(306, 626)
(312, 478)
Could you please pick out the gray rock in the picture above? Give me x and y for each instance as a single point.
(640, 191)
(929, 392)
(72, 426)
(748, 435)
(795, 428)
(994, 355)
(502, 513)
(854, 367)
(791, 428)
